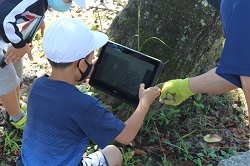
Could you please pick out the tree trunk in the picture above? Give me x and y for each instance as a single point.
(191, 28)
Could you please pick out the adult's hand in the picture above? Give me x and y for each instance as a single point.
(15, 54)
(174, 92)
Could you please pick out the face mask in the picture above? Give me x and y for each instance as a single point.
(86, 73)
(59, 5)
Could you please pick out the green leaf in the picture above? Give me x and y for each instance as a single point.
(201, 154)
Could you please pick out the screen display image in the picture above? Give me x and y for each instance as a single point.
(119, 71)
(124, 71)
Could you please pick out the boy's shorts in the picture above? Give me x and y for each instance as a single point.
(94, 159)
(10, 75)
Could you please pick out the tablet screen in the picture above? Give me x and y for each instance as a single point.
(119, 72)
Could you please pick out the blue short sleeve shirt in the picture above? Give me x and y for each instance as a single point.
(61, 120)
(235, 57)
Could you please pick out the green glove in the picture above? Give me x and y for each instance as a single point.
(174, 92)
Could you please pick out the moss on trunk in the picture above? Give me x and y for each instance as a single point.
(192, 30)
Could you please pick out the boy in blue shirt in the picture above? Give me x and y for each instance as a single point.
(61, 119)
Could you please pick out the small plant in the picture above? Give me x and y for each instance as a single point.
(165, 161)
(121, 107)
(128, 158)
(92, 148)
(162, 117)
(12, 142)
(139, 47)
(87, 90)
(185, 145)
(198, 161)
(198, 106)
(228, 154)
(206, 154)
(82, 88)
(153, 139)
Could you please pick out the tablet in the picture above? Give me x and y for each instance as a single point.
(28, 34)
(120, 70)
(30, 31)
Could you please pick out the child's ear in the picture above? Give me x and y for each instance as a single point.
(81, 64)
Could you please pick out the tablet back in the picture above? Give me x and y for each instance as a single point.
(28, 34)
(30, 31)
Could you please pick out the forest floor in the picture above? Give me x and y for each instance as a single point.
(169, 135)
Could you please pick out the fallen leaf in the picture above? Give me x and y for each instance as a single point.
(153, 149)
(140, 152)
(239, 133)
(133, 144)
(138, 164)
(212, 138)
(186, 163)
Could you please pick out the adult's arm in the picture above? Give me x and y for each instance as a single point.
(176, 91)
(210, 83)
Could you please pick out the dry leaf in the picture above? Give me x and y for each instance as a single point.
(212, 138)
(133, 144)
(239, 133)
(140, 152)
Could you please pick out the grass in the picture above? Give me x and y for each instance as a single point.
(137, 36)
(167, 137)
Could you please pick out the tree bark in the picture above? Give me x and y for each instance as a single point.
(191, 28)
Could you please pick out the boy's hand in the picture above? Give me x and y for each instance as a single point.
(15, 54)
(148, 95)
(174, 92)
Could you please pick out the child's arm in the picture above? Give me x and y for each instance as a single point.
(133, 124)
(15, 54)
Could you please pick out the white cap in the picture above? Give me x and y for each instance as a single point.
(69, 39)
(81, 3)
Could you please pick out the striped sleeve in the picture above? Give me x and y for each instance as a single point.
(10, 17)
